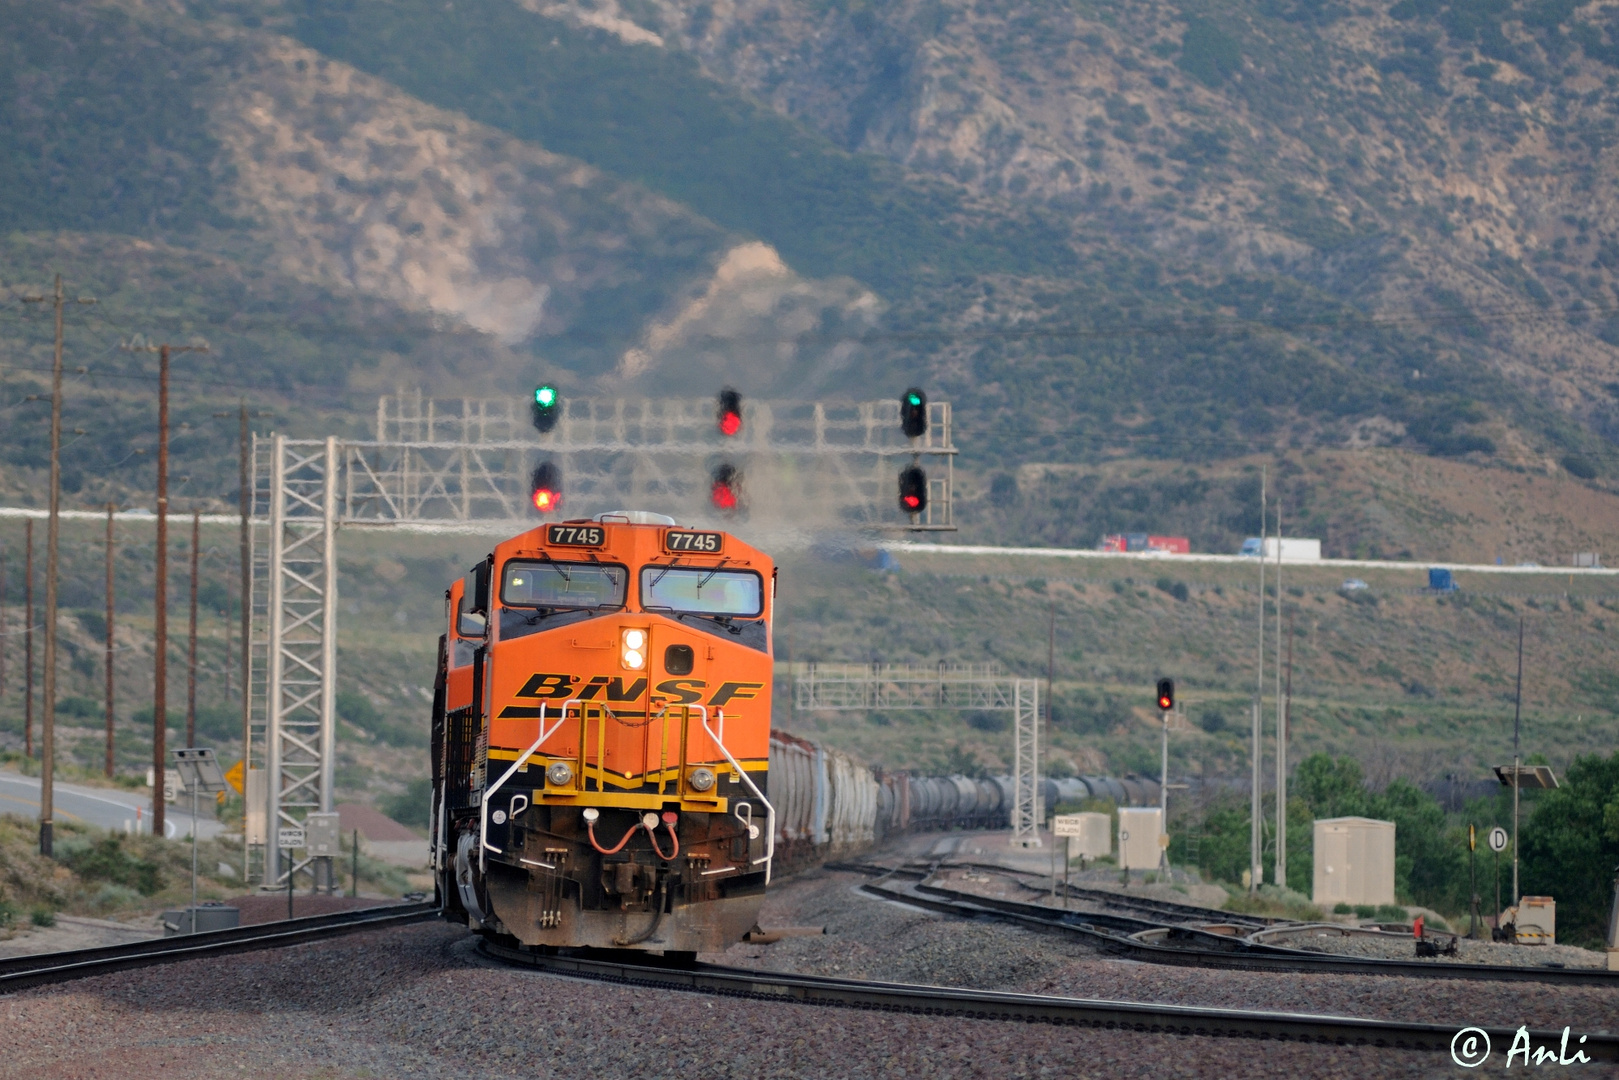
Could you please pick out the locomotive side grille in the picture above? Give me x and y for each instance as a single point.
(461, 755)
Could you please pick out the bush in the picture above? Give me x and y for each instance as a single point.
(42, 916)
(1365, 911)
(1343, 909)
(1174, 588)
(1582, 467)
(1211, 722)
(989, 720)
(1209, 54)
(1570, 846)
(106, 860)
(1390, 913)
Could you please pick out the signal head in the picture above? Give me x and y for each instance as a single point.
(1166, 694)
(913, 413)
(547, 404)
(728, 415)
(545, 488)
(726, 490)
(913, 489)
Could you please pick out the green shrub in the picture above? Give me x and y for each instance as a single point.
(1365, 911)
(106, 860)
(1343, 909)
(42, 916)
(1209, 54)
(1390, 913)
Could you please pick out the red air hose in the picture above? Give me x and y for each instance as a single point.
(615, 849)
(669, 820)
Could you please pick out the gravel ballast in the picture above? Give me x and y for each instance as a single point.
(420, 1001)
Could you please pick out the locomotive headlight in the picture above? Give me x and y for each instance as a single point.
(559, 774)
(700, 779)
(634, 655)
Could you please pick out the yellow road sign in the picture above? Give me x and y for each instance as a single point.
(236, 776)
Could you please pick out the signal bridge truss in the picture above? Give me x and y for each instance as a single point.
(465, 466)
(875, 687)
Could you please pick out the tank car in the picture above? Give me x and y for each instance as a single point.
(601, 738)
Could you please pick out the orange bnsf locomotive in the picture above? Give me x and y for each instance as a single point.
(601, 731)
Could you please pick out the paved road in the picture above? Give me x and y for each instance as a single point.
(106, 808)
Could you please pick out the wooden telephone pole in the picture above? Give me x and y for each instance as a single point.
(160, 591)
(108, 664)
(53, 537)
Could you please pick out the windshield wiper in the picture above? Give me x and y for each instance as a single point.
(662, 572)
(547, 557)
(711, 574)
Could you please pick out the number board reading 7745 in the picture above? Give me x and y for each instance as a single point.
(576, 535)
(708, 543)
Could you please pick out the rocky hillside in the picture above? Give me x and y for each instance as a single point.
(1193, 232)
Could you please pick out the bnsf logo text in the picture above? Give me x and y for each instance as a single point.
(559, 687)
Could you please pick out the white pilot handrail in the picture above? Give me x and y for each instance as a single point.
(483, 807)
(770, 811)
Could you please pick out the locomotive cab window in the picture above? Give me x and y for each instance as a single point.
(537, 596)
(726, 603)
(563, 585)
(702, 591)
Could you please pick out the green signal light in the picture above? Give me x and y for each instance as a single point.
(913, 400)
(545, 396)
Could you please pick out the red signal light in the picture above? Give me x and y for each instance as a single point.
(546, 487)
(726, 493)
(729, 413)
(913, 489)
(1166, 694)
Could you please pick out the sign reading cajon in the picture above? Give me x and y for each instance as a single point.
(1354, 861)
(1090, 835)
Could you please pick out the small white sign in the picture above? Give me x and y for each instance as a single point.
(1068, 825)
(287, 839)
(1498, 839)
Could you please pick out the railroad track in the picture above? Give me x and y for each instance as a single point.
(1026, 1008)
(21, 972)
(1196, 948)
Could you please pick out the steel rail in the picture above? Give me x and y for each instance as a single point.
(1143, 1017)
(39, 969)
(1219, 953)
(1107, 898)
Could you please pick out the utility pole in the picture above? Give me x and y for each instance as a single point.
(5, 638)
(191, 650)
(244, 503)
(1256, 823)
(1285, 727)
(53, 536)
(1281, 722)
(1517, 768)
(108, 664)
(28, 640)
(160, 591)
